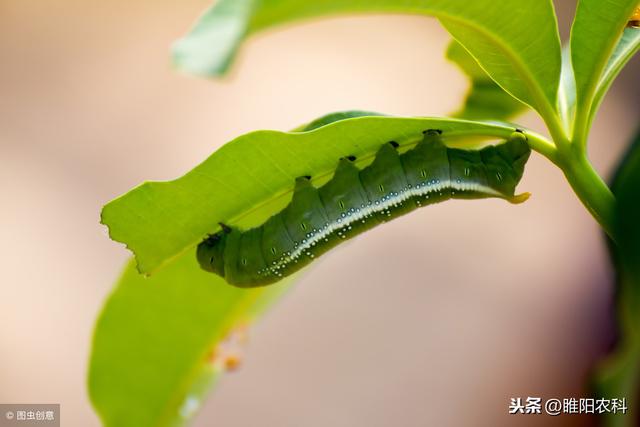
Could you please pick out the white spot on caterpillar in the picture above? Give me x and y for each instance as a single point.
(382, 207)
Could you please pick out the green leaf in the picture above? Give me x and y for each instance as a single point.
(619, 376)
(151, 363)
(624, 51)
(485, 98)
(251, 178)
(595, 34)
(211, 45)
(515, 41)
(334, 117)
(567, 90)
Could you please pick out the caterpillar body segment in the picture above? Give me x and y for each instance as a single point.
(355, 200)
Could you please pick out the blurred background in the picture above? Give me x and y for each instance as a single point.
(435, 319)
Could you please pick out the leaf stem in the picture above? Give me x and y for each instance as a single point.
(543, 146)
(590, 188)
(571, 157)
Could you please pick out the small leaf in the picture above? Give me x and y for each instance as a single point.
(485, 99)
(515, 41)
(250, 179)
(596, 31)
(156, 347)
(626, 48)
(624, 51)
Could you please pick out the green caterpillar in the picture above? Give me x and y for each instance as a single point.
(355, 200)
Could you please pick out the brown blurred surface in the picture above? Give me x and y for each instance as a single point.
(435, 319)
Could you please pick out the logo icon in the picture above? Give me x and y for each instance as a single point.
(9, 415)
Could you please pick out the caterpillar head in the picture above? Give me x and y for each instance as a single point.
(210, 253)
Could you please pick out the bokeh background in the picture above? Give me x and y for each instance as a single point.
(435, 319)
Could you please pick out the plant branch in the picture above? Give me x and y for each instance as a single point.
(570, 156)
(592, 191)
(590, 188)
